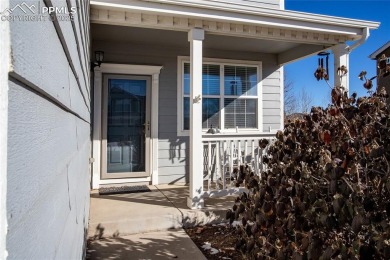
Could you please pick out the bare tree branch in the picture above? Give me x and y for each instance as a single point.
(290, 99)
(305, 101)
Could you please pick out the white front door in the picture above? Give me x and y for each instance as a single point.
(126, 126)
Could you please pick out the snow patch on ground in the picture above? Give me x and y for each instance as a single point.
(207, 246)
(236, 223)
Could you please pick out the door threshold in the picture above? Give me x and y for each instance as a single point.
(115, 185)
(127, 181)
(124, 189)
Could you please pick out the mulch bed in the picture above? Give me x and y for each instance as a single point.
(215, 241)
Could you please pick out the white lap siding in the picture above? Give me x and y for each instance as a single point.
(272, 88)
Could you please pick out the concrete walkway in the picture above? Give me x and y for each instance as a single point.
(149, 225)
(155, 245)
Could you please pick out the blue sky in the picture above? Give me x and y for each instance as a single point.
(301, 72)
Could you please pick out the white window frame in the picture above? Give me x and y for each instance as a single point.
(180, 95)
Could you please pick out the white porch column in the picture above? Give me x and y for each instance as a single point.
(195, 200)
(154, 128)
(341, 57)
(97, 127)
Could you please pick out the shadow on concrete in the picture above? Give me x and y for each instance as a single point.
(173, 195)
(178, 196)
(156, 245)
(151, 198)
(99, 232)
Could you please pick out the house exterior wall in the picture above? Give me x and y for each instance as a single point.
(384, 81)
(49, 136)
(4, 66)
(173, 149)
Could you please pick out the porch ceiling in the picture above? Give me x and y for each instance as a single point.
(289, 35)
(141, 36)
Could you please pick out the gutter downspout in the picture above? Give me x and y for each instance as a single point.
(365, 35)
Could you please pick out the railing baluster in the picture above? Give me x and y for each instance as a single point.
(253, 156)
(257, 160)
(231, 160)
(205, 166)
(217, 165)
(224, 165)
(261, 161)
(245, 151)
(209, 166)
(239, 155)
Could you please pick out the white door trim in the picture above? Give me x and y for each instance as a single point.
(154, 72)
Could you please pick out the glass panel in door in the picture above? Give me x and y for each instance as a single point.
(127, 127)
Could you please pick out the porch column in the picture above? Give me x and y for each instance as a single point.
(97, 127)
(195, 200)
(341, 57)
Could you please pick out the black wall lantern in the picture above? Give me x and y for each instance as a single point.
(99, 56)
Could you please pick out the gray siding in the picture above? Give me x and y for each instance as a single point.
(4, 67)
(173, 149)
(49, 137)
(271, 98)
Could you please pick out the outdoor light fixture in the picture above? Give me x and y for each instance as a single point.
(213, 130)
(99, 56)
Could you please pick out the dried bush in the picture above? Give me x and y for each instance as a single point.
(326, 193)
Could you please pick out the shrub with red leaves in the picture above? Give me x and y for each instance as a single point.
(326, 193)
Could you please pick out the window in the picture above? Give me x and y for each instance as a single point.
(230, 96)
(240, 87)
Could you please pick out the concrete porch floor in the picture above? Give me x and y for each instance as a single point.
(163, 208)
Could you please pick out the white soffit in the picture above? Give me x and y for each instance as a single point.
(229, 13)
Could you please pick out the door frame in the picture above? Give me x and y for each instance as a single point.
(146, 173)
(97, 134)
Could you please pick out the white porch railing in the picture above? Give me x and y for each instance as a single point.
(223, 154)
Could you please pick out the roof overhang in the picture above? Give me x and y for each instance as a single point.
(320, 31)
(376, 53)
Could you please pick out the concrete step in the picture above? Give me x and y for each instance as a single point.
(132, 213)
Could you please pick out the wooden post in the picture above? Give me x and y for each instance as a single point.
(195, 200)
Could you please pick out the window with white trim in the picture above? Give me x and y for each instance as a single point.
(230, 96)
